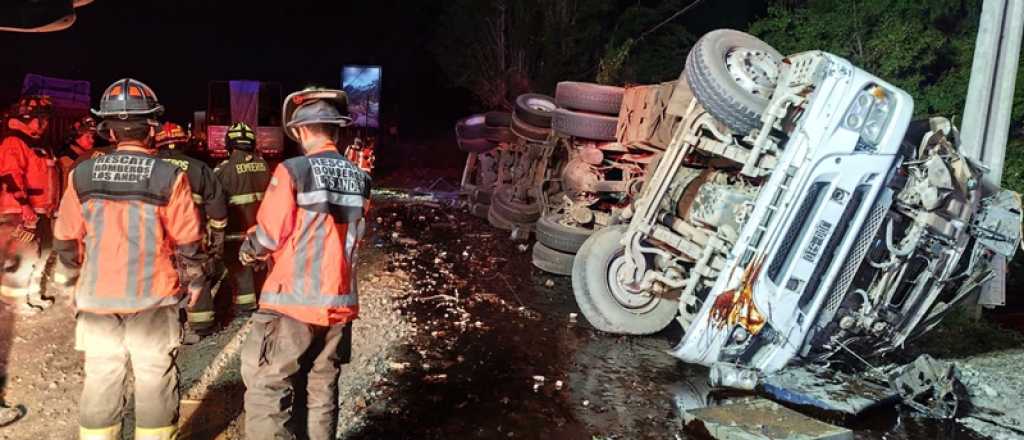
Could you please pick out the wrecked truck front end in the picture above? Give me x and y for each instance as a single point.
(813, 220)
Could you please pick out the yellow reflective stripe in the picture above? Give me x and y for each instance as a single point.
(197, 198)
(243, 299)
(245, 199)
(108, 433)
(14, 292)
(218, 224)
(162, 433)
(60, 278)
(198, 317)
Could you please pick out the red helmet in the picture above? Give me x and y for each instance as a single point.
(32, 106)
(170, 134)
(84, 125)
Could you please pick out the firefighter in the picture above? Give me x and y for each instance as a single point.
(308, 225)
(29, 191)
(128, 232)
(208, 195)
(80, 147)
(361, 155)
(245, 176)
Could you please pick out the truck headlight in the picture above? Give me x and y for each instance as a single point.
(869, 114)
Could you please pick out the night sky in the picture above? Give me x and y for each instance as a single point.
(177, 47)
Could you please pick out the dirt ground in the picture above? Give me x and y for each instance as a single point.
(459, 337)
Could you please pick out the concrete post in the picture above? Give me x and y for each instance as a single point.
(986, 122)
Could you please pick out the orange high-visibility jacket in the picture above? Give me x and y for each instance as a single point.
(308, 223)
(131, 212)
(28, 176)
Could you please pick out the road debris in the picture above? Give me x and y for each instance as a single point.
(932, 387)
(759, 419)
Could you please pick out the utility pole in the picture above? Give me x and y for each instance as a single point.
(986, 122)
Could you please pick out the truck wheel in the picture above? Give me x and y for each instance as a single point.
(498, 134)
(585, 125)
(496, 220)
(587, 97)
(529, 132)
(513, 211)
(603, 300)
(561, 237)
(552, 261)
(535, 109)
(733, 75)
(498, 119)
(477, 145)
(470, 127)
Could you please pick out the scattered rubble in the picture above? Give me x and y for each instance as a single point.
(759, 419)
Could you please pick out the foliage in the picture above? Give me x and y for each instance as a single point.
(634, 56)
(925, 48)
(499, 49)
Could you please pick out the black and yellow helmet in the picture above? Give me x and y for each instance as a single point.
(240, 136)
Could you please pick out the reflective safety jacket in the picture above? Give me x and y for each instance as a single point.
(131, 213)
(309, 224)
(28, 176)
(245, 176)
(207, 193)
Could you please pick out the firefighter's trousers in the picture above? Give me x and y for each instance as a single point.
(24, 263)
(201, 316)
(149, 341)
(242, 279)
(289, 366)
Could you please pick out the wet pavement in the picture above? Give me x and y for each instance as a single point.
(460, 337)
(500, 352)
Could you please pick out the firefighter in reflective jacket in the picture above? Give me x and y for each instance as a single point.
(208, 195)
(308, 226)
(128, 231)
(29, 191)
(80, 147)
(361, 155)
(245, 176)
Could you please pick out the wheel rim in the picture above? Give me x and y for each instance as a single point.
(637, 303)
(541, 105)
(754, 71)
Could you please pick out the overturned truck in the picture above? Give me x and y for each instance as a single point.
(798, 213)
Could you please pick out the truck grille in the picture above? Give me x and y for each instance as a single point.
(785, 252)
(856, 256)
(829, 253)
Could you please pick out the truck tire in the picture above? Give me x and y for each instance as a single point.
(498, 221)
(470, 127)
(478, 145)
(561, 237)
(529, 132)
(552, 261)
(498, 119)
(585, 125)
(498, 134)
(732, 75)
(513, 211)
(604, 304)
(588, 97)
(535, 109)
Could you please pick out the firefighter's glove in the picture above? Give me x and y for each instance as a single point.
(215, 242)
(249, 256)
